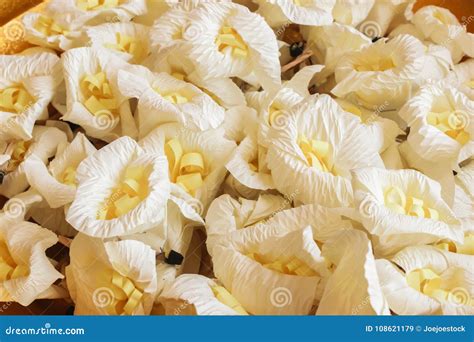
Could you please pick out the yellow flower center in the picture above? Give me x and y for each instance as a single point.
(397, 201)
(381, 64)
(126, 295)
(428, 282)
(291, 265)
(98, 94)
(186, 169)
(127, 44)
(450, 123)
(465, 248)
(48, 27)
(15, 99)
(87, 5)
(69, 176)
(18, 154)
(230, 38)
(226, 298)
(316, 153)
(469, 84)
(9, 269)
(130, 192)
(176, 97)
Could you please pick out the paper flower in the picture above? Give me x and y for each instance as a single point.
(227, 40)
(305, 12)
(57, 181)
(462, 77)
(43, 145)
(382, 75)
(427, 281)
(128, 41)
(27, 87)
(313, 149)
(121, 190)
(93, 99)
(441, 122)
(196, 159)
(352, 12)
(401, 208)
(164, 98)
(111, 278)
(26, 273)
(353, 288)
(194, 294)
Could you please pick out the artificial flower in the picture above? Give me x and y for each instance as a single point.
(194, 294)
(111, 278)
(427, 281)
(401, 208)
(164, 98)
(27, 86)
(313, 149)
(462, 77)
(121, 190)
(352, 12)
(93, 99)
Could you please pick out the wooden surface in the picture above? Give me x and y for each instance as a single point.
(9, 9)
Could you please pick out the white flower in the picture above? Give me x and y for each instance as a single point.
(385, 72)
(270, 275)
(93, 99)
(330, 43)
(57, 181)
(462, 77)
(314, 147)
(430, 282)
(198, 295)
(304, 12)
(353, 288)
(26, 273)
(442, 27)
(196, 159)
(128, 41)
(163, 98)
(111, 278)
(352, 12)
(441, 122)
(174, 62)
(121, 190)
(85, 12)
(401, 208)
(227, 40)
(43, 145)
(27, 86)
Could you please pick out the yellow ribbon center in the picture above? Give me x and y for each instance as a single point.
(130, 192)
(48, 27)
(316, 153)
(450, 123)
(18, 154)
(226, 298)
(9, 269)
(98, 94)
(176, 97)
(126, 296)
(127, 44)
(15, 99)
(397, 201)
(290, 265)
(230, 38)
(381, 64)
(465, 248)
(69, 176)
(186, 169)
(87, 5)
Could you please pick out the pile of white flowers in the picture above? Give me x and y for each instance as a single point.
(281, 157)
